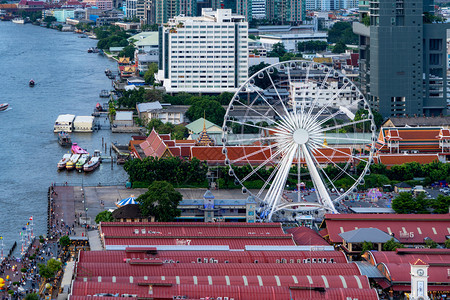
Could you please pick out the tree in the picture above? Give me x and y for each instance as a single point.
(49, 19)
(392, 245)
(366, 246)
(342, 32)
(366, 20)
(430, 244)
(161, 201)
(64, 241)
(339, 47)
(128, 51)
(265, 81)
(377, 118)
(49, 270)
(447, 244)
(278, 50)
(404, 203)
(32, 296)
(153, 95)
(104, 216)
(441, 204)
(211, 109)
(312, 46)
(149, 76)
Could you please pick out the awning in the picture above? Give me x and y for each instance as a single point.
(383, 283)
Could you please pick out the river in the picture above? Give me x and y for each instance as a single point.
(68, 80)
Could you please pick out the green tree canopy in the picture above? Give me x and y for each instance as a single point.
(339, 47)
(149, 76)
(64, 241)
(211, 109)
(405, 203)
(32, 296)
(49, 19)
(366, 246)
(342, 32)
(104, 216)
(312, 46)
(161, 201)
(392, 245)
(265, 81)
(447, 244)
(431, 244)
(278, 50)
(127, 51)
(377, 118)
(49, 270)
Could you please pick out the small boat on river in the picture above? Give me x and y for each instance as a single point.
(92, 164)
(104, 94)
(18, 20)
(77, 149)
(62, 163)
(70, 165)
(64, 139)
(32, 83)
(82, 161)
(4, 106)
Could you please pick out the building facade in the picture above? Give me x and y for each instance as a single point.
(258, 9)
(207, 54)
(402, 59)
(286, 11)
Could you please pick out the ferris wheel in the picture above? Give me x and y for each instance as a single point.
(296, 139)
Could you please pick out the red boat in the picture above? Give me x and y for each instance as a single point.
(4, 106)
(32, 83)
(98, 107)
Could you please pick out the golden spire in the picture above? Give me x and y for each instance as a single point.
(204, 121)
(325, 143)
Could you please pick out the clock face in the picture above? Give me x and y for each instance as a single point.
(420, 272)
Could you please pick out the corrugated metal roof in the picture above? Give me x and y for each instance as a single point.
(368, 270)
(361, 235)
(411, 228)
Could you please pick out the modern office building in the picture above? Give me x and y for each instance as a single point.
(240, 7)
(286, 11)
(403, 69)
(166, 9)
(207, 54)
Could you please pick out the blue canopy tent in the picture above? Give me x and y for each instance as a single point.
(126, 201)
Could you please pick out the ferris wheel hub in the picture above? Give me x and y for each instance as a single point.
(301, 136)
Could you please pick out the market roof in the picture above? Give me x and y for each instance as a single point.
(197, 126)
(234, 235)
(306, 236)
(361, 235)
(407, 228)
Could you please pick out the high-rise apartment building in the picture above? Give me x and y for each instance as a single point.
(165, 9)
(286, 11)
(206, 54)
(328, 5)
(403, 61)
(258, 9)
(187, 8)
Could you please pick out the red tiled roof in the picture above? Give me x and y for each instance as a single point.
(407, 255)
(306, 236)
(238, 155)
(154, 145)
(444, 134)
(408, 229)
(398, 159)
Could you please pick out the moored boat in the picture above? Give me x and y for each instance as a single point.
(70, 165)
(32, 83)
(77, 149)
(18, 21)
(104, 94)
(82, 161)
(64, 139)
(4, 106)
(93, 163)
(62, 163)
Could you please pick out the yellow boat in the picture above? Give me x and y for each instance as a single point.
(73, 161)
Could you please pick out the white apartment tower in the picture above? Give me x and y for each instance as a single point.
(206, 54)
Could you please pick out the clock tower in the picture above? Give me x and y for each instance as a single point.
(419, 280)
